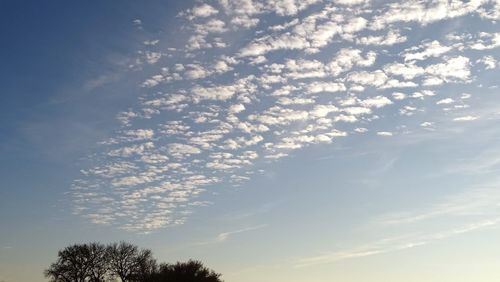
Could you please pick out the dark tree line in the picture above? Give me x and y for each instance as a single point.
(95, 262)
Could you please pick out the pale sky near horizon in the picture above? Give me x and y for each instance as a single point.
(275, 140)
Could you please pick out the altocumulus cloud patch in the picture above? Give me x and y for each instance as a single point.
(256, 80)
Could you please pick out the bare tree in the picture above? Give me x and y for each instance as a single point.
(79, 263)
(129, 263)
(95, 262)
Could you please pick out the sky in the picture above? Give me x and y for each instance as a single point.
(275, 140)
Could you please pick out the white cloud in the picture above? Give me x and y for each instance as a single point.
(289, 7)
(346, 58)
(140, 134)
(323, 110)
(457, 68)
(195, 71)
(198, 40)
(445, 101)
(213, 93)
(361, 130)
(317, 87)
(482, 44)
(426, 50)
(466, 118)
(377, 102)
(179, 150)
(154, 158)
(151, 42)
(377, 78)
(294, 101)
(153, 81)
(355, 111)
(465, 96)
(212, 26)
(489, 62)
(152, 57)
(221, 237)
(203, 10)
(220, 101)
(131, 150)
(398, 95)
(308, 35)
(389, 39)
(237, 108)
(424, 13)
(384, 133)
(407, 71)
(351, 2)
(266, 44)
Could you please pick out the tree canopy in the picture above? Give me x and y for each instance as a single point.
(79, 263)
(191, 271)
(95, 262)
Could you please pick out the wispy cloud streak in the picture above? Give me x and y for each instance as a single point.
(470, 211)
(395, 244)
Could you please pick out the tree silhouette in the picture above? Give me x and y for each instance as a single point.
(79, 263)
(94, 262)
(191, 271)
(129, 263)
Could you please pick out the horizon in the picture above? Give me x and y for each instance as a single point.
(274, 140)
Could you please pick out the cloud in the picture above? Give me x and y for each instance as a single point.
(377, 78)
(426, 50)
(225, 235)
(398, 95)
(140, 134)
(389, 39)
(131, 150)
(483, 44)
(317, 87)
(377, 102)
(384, 133)
(245, 83)
(476, 210)
(466, 118)
(427, 124)
(489, 62)
(213, 93)
(393, 244)
(203, 11)
(179, 150)
(244, 13)
(407, 70)
(423, 13)
(445, 101)
(454, 69)
(310, 35)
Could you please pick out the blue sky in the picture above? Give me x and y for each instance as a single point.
(347, 140)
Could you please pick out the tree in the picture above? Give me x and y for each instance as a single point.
(95, 262)
(79, 263)
(129, 263)
(191, 271)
